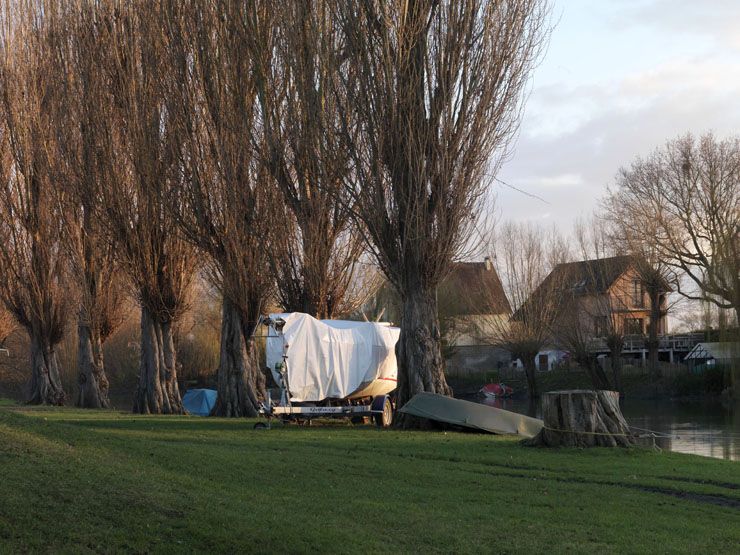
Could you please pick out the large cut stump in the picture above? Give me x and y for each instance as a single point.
(582, 418)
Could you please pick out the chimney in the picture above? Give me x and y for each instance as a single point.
(488, 264)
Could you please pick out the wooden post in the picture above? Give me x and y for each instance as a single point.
(582, 418)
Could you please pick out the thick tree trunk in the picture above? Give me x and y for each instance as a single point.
(92, 382)
(419, 354)
(157, 391)
(46, 385)
(240, 382)
(582, 418)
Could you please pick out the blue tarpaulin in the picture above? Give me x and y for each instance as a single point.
(199, 401)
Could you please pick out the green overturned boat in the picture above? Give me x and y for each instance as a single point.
(471, 415)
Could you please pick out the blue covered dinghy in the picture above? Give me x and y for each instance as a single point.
(199, 402)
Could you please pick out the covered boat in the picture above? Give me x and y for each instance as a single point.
(493, 390)
(331, 359)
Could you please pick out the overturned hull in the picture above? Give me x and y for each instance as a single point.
(471, 415)
(332, 359)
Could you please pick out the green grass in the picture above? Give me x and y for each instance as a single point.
(77, 481)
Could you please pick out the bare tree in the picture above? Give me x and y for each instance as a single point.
(80, 174)
(230, 207)
(142, 144)
(602, 316)
(302, 147)
(684, 201)
(8, 325)
(525, 256)
(429, 92)
(32, 285)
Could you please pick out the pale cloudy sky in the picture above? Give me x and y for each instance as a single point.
(620, 77)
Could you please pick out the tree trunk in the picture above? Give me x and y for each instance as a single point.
(92, 382)
(653, 344)
(582, 418)
(419, 354)
(598, 377)
(530, 370)
(616, 362)
(46, 385)
(240, 382)
(615, 344)
(157, 391)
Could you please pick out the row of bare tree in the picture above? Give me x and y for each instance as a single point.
(269, 144)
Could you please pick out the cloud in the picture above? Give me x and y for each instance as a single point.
(557, 181)
(582, 125)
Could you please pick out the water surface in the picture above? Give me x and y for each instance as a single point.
(710, 427)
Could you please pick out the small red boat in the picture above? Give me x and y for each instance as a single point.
(496, 390)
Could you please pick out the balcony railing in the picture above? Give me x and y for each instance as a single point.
(678, 342)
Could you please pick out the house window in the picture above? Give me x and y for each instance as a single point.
(638, 294)
(633, 326)
(544, 364)
(601, 326)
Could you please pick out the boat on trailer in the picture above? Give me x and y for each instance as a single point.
(330, 368)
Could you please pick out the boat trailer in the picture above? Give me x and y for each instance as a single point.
(379, 408)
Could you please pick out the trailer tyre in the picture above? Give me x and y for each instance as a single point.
(385, 418)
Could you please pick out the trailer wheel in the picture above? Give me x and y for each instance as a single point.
(385, 418)
(260, 426)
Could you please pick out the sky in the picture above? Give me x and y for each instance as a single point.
(619, 79)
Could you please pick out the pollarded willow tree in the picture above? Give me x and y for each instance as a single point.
(137, 200)
(32, 276)
(81, 173)
(301, 145)
(430, 93)
(229, 206)
(525, 258)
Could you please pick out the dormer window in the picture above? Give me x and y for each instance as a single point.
(579, 286)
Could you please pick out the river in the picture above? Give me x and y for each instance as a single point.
(710, 428)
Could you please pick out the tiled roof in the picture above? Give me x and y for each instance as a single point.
(474, 288)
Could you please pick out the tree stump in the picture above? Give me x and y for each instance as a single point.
(583, 418)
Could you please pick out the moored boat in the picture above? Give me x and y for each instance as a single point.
(493, 390)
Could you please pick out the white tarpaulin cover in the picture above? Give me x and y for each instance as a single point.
(334, 359)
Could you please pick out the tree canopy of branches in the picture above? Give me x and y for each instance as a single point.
(525, 256)
(81, 173)
(32, 262)
(137, 201)
(602, 316)
(684, 200)
(607, 236)
(429, 93)
(229, 207)
(303, 148)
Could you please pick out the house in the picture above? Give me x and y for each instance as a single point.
(610, 295)
(472, 303)
(472, 296)
(593, 301)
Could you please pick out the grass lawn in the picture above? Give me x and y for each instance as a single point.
(81, 481)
